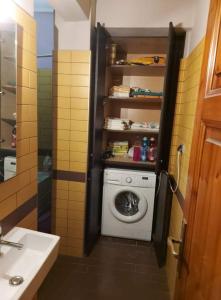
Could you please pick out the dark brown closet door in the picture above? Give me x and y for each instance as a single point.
(176, 40)
(95, 172)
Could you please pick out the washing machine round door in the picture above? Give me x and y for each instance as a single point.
(128, 206)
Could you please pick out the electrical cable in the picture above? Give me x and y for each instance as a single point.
(178, 174)
(179, 152)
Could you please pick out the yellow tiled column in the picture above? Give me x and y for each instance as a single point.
(16, 191)
(71, 102)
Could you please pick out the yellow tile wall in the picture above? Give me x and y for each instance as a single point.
(187, 96)
(21, 188)
(70, 145)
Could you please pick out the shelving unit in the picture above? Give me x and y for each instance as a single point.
(139, 108)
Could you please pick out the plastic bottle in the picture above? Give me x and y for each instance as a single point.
(144, 149)
(152, 153)
(137, 150)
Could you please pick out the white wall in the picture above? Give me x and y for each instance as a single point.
(73, 35)
(145, 13)
(198, 31)
(190, 14)
(27, 5)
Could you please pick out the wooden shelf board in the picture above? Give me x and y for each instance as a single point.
(10, 58)
(138, 70)
(10, 88)
(133, 131)
(11, 122)
(153, 100)
(127, 161)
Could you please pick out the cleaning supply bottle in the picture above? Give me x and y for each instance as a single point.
(137, 150)
(144, 148)
(152, 153)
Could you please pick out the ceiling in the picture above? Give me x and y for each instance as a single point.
(71, 10)
(42, 6)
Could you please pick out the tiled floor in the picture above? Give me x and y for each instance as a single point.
(116, 270)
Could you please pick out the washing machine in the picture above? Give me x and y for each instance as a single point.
(128, 202)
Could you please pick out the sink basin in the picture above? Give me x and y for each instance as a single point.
(32, 262)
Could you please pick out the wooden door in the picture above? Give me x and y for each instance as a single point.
(95, 173)
(201, 269)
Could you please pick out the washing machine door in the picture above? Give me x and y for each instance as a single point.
(128, 206)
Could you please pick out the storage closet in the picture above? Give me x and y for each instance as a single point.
(142, 110)
(153, 111)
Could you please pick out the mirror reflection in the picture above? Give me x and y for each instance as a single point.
(8, 115)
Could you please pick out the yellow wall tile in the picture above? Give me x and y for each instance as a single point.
(81, 56)
(79, 136)
(78, 146)
(80, 115)
(79, 92)
(76, 196)
(80, 68)
(78, 166)
(79, 103)
(79, 125)
(7, 206)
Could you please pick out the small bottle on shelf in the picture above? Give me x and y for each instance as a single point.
(144, 149)
(152, 153)
(137, 150)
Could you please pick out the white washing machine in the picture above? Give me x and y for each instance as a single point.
(128, 202)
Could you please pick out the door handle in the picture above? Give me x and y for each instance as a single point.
(2, 93)
(171, 242)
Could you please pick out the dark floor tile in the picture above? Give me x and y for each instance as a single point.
(115, 270)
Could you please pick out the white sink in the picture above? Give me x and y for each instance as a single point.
(32, 262)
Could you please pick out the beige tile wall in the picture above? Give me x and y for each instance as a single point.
(19, 189)
(71, 102)
(187, 95)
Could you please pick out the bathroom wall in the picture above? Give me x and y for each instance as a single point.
(187, 96)
(18, 195)
(70, 144)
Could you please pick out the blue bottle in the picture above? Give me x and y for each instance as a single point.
(144, 148)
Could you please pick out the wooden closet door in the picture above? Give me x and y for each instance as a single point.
(201, 270)
(95, 167)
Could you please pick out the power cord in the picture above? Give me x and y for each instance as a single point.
(180, 150)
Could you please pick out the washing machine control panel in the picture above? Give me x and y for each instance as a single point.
(129, 179)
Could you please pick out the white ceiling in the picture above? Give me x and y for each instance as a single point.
(71, 10)
(42, 6)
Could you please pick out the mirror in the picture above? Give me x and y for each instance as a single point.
(8, 83)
